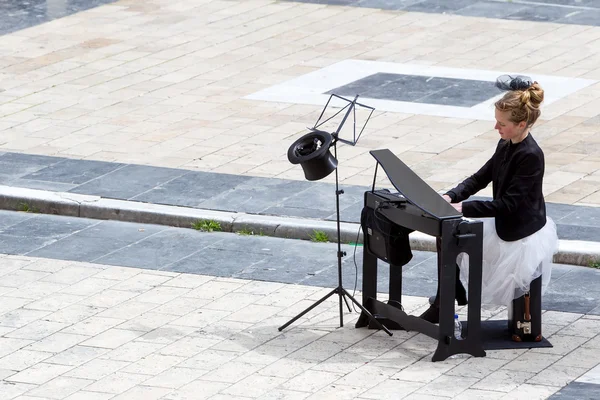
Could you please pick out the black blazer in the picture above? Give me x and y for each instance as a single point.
(516, 171)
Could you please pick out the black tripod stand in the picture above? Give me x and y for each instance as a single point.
(339, 290)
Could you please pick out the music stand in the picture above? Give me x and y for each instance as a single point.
(328, 164)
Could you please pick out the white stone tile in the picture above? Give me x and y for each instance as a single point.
(54, 302)
(557, 376)
(477, 394)
(71, 275)
(503, 380)
(39, 373)
(77, 355)
(167, 334)
(141, 282)
(280, 394)
(12, 303)
(128, 309)
(93, 326)
(447, 386)
(22, 277)
(5, 373)
(132, 351)
(74, 313)
(143, 393)
(38, 289)
(109, 298)
(162, 294)
(532, 362)
(477, 367)
(562, 344)
(147, 321)
(175, 377)
(423, 371)
(231, 372)
(560, 318)
(338, 392)
(21, 317)
(85, 395)
(181, 306)
(189, 346)
(532, 392)
(89, 286)
(60, 387)
(197, 390)
(366, 376)
(112, 338)
(97, 369)
(22, 359)
(117, 383)
(287, 368)
(118, 273)
(392, 389)
(311, 381)
(591, 376)
(581, 357)
(153, 364)
(587, 328)
(57, 342)
(11, 390)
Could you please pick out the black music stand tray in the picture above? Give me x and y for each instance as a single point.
(431, 214)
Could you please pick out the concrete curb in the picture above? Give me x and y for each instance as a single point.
(77, 205)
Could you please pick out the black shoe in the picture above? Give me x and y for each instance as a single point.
(432, 314)
(461, 296)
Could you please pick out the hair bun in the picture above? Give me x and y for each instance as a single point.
(509, 82)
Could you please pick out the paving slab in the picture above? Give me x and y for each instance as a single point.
(171, 335)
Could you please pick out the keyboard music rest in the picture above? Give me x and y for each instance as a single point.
(431, 216)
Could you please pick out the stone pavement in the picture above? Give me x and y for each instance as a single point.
(176, 84)
(81, 330)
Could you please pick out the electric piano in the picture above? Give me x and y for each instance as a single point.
(417, 207)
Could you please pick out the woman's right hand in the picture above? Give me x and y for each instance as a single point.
(447, 198)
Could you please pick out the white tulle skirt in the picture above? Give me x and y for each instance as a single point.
(509, 267)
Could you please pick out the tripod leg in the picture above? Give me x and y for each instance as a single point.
(369, 315)
(347, 304)
(282, 327)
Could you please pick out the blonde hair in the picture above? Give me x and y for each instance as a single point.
(524, 105)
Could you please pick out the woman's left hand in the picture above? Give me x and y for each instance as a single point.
(457, 206)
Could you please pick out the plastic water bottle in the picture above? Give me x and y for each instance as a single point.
(457, 328)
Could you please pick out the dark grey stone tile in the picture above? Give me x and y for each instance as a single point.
(577, 391)
(16, 245)
(387, 4)
(576, 232)
(558, 211)
(78, 248)
(422, 89)
(537, 13)
(15, 15)
(583, 216)
(216, 262)
(48, 226)
(16, 165)
(129, 181)
(10, 218)
(575, 3)
(190, 189)
(440, 6)
(461, 94)
(162, 249)
(297, 212)
(97, 240)
(74, 171)
(567, 303)
(255, 195)
(40, 185)
(489, 9)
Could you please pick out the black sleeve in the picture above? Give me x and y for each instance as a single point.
(472, 184)
(528, 172)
